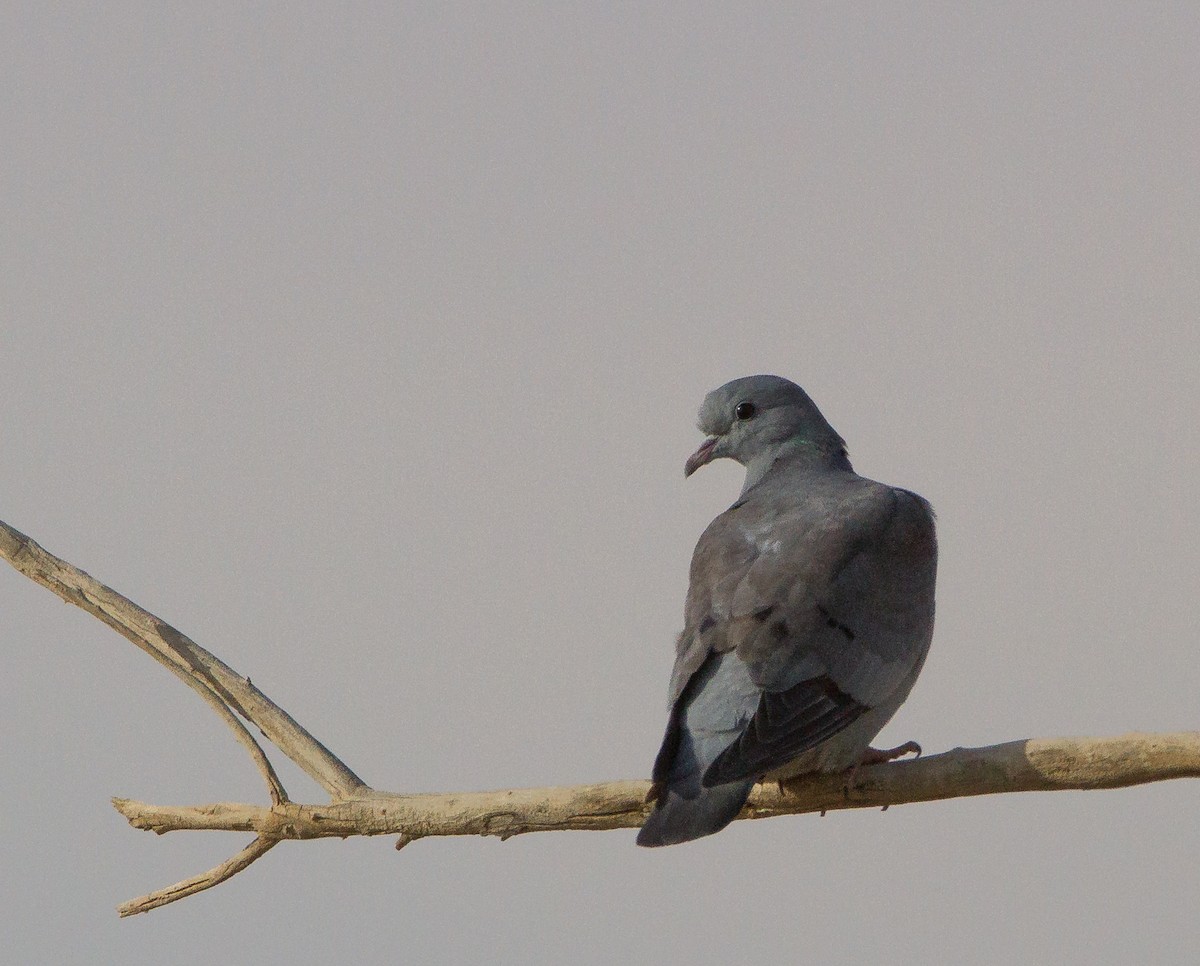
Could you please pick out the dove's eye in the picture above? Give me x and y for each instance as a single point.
(744, 410)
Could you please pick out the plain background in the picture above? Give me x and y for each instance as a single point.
(363, 342)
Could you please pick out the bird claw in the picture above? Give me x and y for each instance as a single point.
(793, 785)
(786, 786)
(878, 756)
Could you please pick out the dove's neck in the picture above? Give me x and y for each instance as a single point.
(801, 452)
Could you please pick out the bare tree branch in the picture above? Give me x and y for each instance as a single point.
(188, 661)
(198, 883)
(1041, 764)
(1035, 765)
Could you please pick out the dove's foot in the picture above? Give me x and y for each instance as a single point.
(878, 756)
(795, 785)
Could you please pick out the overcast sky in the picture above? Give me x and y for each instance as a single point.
(364, 344)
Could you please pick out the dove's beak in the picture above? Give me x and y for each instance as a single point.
(703, 455)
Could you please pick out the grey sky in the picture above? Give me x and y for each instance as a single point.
(364, 344)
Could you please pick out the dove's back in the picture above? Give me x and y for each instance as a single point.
(809, 614)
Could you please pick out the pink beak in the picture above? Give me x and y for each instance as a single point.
(703, 455)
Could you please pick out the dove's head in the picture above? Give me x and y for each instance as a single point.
(755, 419)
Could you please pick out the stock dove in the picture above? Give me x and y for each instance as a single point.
(808, 616)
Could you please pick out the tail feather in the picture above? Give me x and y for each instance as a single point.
(687, 811)
(708, 717)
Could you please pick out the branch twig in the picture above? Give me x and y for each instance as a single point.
(188, 661)
(198, 883)
(1043, 764)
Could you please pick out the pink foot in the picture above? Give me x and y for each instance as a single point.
(879, 756)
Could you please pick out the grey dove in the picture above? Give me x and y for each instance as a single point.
(808, 615)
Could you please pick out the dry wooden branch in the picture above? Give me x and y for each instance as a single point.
(187, 660)
(198, 883)
(1044, 764)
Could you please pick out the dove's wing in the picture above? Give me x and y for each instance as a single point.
(827, 602)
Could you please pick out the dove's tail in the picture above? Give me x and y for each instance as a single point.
(710, 715)
(685, 808)
(686, 811)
